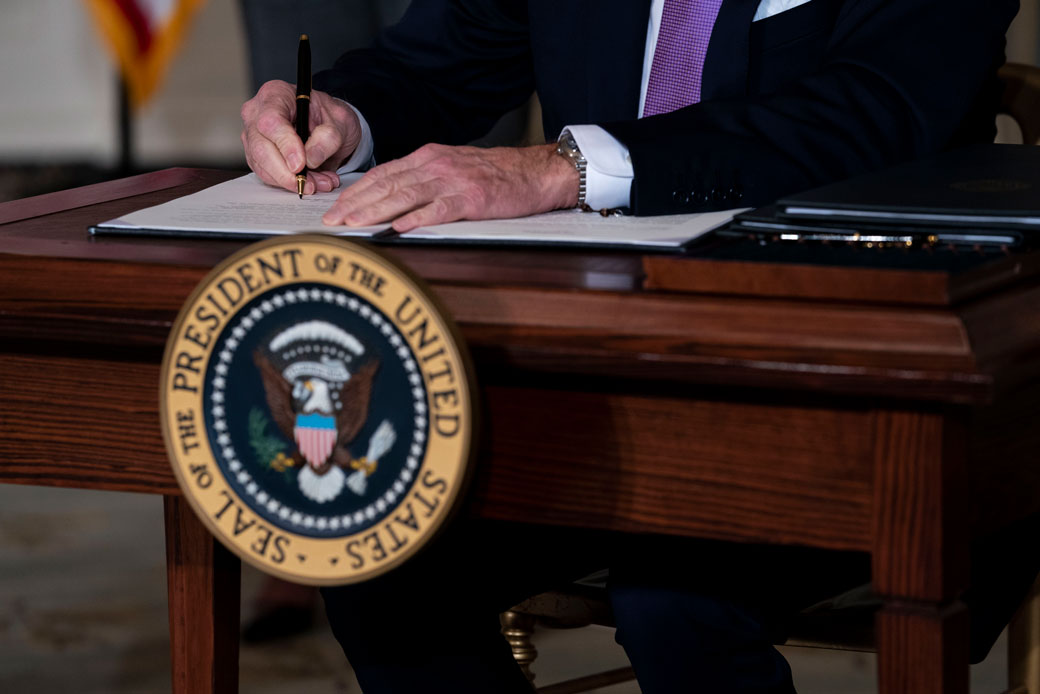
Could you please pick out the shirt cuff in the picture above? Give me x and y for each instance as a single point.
(608, 173)
(361, 159)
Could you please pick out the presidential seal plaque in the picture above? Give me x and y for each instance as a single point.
(317, 408)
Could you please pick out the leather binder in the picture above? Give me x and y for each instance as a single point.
(983, 187)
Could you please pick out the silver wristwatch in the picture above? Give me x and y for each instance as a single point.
(567, 148)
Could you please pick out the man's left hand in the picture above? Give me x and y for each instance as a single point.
(438, 183)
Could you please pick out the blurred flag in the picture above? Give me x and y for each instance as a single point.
(144, 36)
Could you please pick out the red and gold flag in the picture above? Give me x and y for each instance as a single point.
(143, 35)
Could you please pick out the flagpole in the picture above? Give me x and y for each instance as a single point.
(125, 133)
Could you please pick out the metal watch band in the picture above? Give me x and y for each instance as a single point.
(567, 148)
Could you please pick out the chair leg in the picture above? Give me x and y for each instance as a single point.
(518, 628)
(1024, 645)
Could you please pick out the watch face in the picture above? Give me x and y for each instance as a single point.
(573, 145)
(567, 147)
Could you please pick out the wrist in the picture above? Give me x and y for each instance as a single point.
(564, 181)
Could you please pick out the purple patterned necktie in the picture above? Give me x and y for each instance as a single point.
(682, 44)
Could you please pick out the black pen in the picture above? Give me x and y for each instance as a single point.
(303, 102)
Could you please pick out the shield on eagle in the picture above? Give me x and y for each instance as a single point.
(315, 435)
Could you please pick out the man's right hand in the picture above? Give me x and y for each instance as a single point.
(274, 151)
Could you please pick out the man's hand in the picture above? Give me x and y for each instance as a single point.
(437, 184)
(274, 151)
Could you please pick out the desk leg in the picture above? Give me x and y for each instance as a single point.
(920, 556)
(203, 585)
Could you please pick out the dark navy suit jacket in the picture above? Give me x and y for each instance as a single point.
(821, 92)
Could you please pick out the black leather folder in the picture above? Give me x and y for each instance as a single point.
(985, 188)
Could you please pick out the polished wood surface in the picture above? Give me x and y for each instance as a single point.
(886, 412)
(872, 285)
(920, 555)
(203, 587)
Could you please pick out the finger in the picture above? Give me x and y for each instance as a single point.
(364, 192)
(270, 113)
(361, 195)
(439, 211)
(332, 177)
(324, 141)
(379, 174)
(354, 201)
(380, 182)
(275, 124)
(359, 187)
(330, 115)
(265, 119)
(324, 181)
(404, 201)
(379, 209)
(266, 160)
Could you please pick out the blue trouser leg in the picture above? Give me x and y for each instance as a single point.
(680, 641)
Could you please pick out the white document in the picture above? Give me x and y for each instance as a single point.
(248, 207)
(572, 227)
(240, 206)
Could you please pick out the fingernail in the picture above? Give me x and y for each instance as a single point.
(324, 185)
(294, 162)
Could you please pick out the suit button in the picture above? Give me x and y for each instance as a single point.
(735, 193)
(679, 195)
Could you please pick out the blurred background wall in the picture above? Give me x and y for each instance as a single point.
(60, 95)
(60, 92)
(58, 88)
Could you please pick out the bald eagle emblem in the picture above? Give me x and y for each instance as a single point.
(318, 384)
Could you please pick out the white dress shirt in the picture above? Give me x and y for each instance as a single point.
(609, 172)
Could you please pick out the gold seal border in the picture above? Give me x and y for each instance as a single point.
(465, 383)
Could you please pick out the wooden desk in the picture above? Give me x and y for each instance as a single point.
(889, 412)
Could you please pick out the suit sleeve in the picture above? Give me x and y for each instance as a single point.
(899, 79)
(445, 73)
